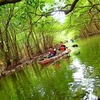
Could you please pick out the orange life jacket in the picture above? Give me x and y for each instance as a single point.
(62, 48)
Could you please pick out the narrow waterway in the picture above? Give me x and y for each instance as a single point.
(76, 78)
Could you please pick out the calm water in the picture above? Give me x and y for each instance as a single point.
(77, 78)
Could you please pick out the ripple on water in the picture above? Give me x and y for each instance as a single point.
(80, 79)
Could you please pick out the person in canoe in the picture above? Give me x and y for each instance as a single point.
(72, 40)
(62, 47)
(52, 52)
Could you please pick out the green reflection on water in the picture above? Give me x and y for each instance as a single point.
(90, 51)
(56, 82)
(47, 84)
(90, 56)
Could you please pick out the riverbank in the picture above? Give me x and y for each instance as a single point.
(4, 71)
(21, 64)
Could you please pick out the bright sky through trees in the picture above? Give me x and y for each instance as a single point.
(59, 16)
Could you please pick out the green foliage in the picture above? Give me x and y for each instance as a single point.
(80, 17)
(31, 21)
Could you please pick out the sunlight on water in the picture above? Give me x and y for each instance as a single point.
(82, 81)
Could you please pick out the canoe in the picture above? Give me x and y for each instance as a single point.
(61, 55)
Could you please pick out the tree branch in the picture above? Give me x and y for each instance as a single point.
(94, 6)
(71, 8)
(2, 2)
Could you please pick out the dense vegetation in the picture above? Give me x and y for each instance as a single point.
(29, 26)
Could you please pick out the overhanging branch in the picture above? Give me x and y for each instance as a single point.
(71, 8)
(2, 2)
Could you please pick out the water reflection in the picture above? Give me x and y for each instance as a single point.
(51, 84)
(83, 81)
(66, 80)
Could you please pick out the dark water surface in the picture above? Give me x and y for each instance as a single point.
(77, 78)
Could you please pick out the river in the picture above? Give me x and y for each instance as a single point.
(76, 78)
